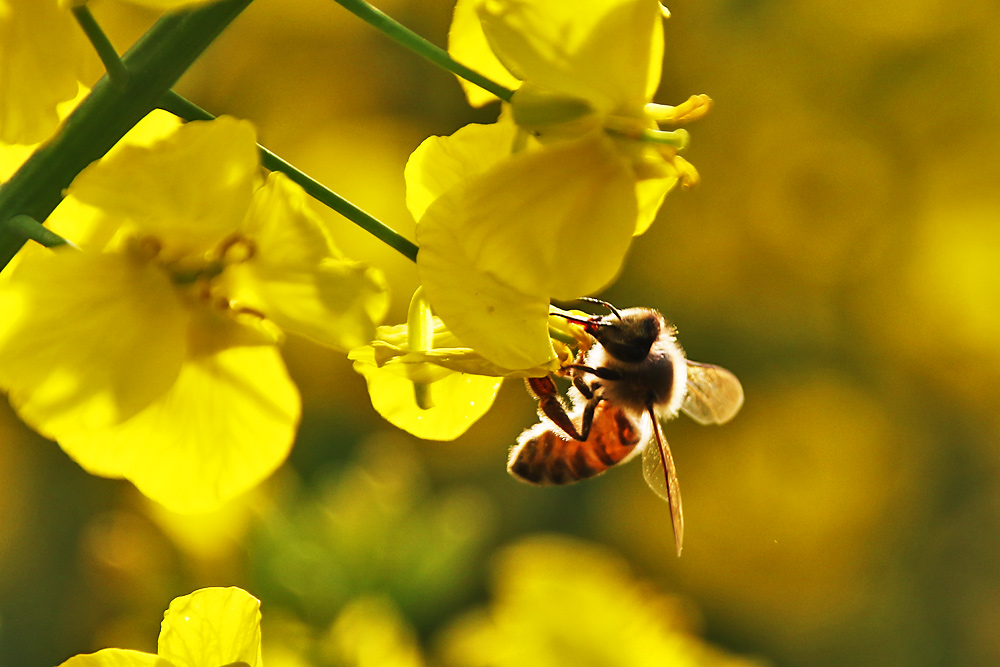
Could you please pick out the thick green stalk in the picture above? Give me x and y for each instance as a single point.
(154, 64)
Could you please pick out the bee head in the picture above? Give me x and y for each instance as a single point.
(627, 335)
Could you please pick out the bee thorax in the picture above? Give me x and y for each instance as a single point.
(659, 380)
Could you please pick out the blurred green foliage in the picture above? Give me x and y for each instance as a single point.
(841, 256)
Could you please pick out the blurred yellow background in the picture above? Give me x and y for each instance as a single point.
(841, 256)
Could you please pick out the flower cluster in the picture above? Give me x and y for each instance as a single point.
(558, 601)
(148, 348)
(33, 81)
(208, 628)
(542, 204)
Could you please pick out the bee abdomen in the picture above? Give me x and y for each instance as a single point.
(543, 456)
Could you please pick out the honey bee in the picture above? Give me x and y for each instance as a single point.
(633, 375)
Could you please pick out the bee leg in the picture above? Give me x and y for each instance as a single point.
(601, 372)
(549, 404)
(587, 390)
(588, 415)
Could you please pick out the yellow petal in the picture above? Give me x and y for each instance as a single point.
(457, 359)
(421, 366)
(44, 54)
(116, 657)
(504, 325)
(467, 44)
(445, 354)
(226, 424)
(299, 279)
(337, 304)
(210, 628)
(154, 127)
(190, 190)
(440, 163)
(86, 227)
(456, 401)
(87, 340)
(650, 194)
(12, 156)
(608, 52)
(555, 222)
(397, 336)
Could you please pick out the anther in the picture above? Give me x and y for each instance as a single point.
(146, 248)
(237, 249)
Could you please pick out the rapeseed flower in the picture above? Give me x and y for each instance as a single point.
(422, 379)
(46, 60)
(544, 203)
(208, 628)
(413, 389)
(370, 631)
(149, 350)
(561, 602)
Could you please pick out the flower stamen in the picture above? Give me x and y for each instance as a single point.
(145, 248)
(236, 249)
(678, 139)
(245, 311)
(687, 111)
(420, 337)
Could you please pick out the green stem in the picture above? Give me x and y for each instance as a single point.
(23, 228)
(181, 106)
(105, 49)
(154, 64)
(326, 196)
(421, 46)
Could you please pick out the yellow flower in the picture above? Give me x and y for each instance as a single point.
(414, 390)
(501, 234)
(422, 379)
(149, 352)
(584, 66)
(208, 628)
(44, 55)
(370, 631)
(544, 203)
(560, 602)
(409, 385)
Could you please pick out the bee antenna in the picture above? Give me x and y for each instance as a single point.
(607, 305)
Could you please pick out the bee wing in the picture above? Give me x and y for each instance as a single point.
(714, 395)
(659, 472)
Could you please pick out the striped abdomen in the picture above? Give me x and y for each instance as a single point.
(544, 456)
